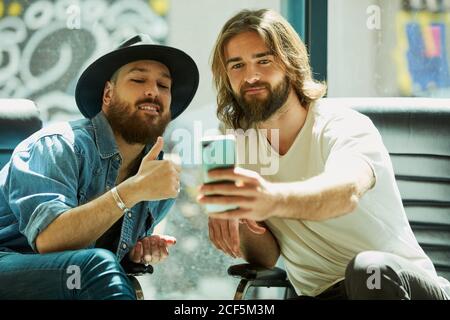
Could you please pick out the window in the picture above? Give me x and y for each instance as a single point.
(388, 48)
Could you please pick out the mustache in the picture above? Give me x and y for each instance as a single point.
(255, 85)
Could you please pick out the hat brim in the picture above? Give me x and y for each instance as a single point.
(183, 70)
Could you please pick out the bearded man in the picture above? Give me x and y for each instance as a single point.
(87, 194)
(333, 210)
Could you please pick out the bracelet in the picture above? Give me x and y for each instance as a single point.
(118, 200)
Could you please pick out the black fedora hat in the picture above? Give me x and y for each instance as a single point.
(183, 70)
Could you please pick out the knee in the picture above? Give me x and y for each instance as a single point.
(102, 276)
(95, 261)
(99, 257)
(365, 273)
(363, 262)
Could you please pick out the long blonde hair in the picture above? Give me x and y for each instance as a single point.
(285, 45)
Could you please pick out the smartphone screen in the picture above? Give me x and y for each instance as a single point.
(218, 151)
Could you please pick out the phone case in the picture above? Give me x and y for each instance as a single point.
(218, 152)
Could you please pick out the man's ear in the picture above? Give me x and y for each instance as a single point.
(107, 93)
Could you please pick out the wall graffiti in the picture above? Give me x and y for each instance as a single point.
(45, 45)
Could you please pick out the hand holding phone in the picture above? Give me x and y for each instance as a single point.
(218, 152)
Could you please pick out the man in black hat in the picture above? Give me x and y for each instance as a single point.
(79, 198)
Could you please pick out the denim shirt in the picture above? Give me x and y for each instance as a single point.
(58, 168)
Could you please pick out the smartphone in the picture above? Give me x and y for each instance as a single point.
(218, 152)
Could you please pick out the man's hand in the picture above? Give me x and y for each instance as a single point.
(155, 179)
(152, 249)
(256, 198)
(224, 234)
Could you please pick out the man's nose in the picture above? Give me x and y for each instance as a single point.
(151, 89)
(252, 76)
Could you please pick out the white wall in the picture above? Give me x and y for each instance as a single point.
(194, 26)
(360, 60)
(351, 48)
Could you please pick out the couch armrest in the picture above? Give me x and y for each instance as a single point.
(19, 118)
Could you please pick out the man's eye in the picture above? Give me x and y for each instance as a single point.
(237, 66)
(265, 61)
(138, 80)
(162, 85)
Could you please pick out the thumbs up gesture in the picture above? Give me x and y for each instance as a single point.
(155, 150)
(155, 179)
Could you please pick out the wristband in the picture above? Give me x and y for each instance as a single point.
(118, 200)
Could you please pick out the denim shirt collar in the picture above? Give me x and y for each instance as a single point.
(105, 139)
(104, 136)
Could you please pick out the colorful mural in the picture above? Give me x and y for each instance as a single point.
(45, 45)
(423, 50)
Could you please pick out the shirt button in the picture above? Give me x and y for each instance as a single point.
(124, 246)
(129, 214)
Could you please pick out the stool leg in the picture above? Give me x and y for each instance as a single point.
(241, 290)
(137, 287)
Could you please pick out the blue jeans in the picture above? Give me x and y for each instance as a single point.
(83, 274)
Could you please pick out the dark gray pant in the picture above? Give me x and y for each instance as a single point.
(380, 275)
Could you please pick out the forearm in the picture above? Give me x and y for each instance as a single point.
(79, 227)
(319, 198)
(259, 249)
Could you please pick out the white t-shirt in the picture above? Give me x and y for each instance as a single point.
(316, 254)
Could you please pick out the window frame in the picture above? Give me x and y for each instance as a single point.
(310, 19)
